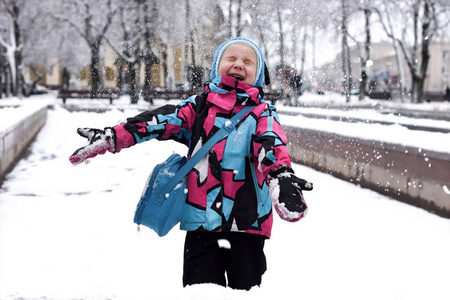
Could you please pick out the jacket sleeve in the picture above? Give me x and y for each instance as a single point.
(164, 123)
(269, 144)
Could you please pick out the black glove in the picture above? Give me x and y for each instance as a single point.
(99, 141)
(286, 192)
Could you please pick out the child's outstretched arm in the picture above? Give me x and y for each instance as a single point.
(163, 123)
(99, 141)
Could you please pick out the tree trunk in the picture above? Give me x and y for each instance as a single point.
(165, 67)
(295, 48)
(148, 48)
(94, 39)
(313, 42)
(14, 49)
(263, 43)
(149, 57)
(230, 23)
(303, 55)
(363, 79)
(281, 35)
(400, 80)
(8, 82)
(120, 77)
(238, 21)
(188, 46)
(95, 66)
(2, 84)
(414, 60)
(346, 63)
(132, 73)
(121, 63)
(423, 71)
(18, 58)
(397, 47)
(425, 52)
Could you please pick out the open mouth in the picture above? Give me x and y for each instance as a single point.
(238, 77)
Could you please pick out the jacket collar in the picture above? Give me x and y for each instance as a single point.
(226, 92)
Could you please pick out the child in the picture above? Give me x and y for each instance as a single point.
(228, 211)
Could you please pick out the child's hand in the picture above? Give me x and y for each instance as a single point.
(99, 141)
(286, 192)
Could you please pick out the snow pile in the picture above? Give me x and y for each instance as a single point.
(13, 111)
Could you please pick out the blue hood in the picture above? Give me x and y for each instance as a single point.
(239, 40)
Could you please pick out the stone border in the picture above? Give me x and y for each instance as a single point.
(15, 140)
(415, 176)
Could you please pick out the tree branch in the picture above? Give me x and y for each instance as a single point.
(72, 24)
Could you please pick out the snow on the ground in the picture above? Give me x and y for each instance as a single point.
(12, 111)
(394, 133)
(67, 233)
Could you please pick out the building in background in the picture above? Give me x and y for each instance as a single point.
(168, 73)
(384, 74)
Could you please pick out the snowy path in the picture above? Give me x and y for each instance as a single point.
(67, 233)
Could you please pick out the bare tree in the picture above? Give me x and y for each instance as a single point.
(128, 51)
(2, 73)
(91, 22)
(238, 19)
(346, 61)
(363, 47)
(367, 10)
(13, 45)
(137, 21)
(426, 16)
(288, 31)
(259, 20)
(149, 58)
(389, 29)
(281, 36)
(235, 28)
(189, 44)
(230, 13)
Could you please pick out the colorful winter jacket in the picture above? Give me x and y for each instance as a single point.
(227, 189)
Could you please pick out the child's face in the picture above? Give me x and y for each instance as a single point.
(239, 61)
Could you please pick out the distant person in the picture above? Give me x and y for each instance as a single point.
(65, 79)
(296, 86)
(447, 93)
(231, 191)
